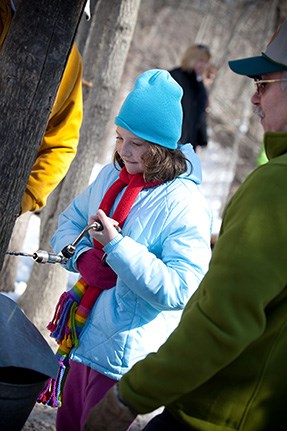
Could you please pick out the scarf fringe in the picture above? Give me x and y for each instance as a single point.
(52, 393)
(62, 326)
(61, 316)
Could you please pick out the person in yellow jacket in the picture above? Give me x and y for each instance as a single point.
(59, 144)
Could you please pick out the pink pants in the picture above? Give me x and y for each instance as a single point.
(83, 389)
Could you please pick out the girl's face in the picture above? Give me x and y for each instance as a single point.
(130, 149)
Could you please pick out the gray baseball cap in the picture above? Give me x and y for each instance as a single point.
(273, 59)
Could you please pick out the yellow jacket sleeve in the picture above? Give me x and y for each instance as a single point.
(59, 145)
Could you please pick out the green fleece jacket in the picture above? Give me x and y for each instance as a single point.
(225, 367)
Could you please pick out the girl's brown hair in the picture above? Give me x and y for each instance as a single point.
(160, 163)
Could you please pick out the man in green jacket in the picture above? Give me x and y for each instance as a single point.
(225, 366)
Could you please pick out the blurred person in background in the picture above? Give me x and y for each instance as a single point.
(190, 76)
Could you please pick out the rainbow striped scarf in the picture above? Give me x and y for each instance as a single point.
(69, 318)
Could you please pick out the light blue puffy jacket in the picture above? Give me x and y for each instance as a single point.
(160, 259)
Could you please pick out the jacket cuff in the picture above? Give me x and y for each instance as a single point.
(108, 247)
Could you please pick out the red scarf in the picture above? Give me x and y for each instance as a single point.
(75, 305)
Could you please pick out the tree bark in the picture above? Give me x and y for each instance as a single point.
(104, 57)
(32, 62)
(10, 263)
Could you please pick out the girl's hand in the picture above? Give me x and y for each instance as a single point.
(108, 233)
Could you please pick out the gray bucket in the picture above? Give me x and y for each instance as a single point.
(19, 389)
(26, 363)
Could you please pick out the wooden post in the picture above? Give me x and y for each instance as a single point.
(32, 61)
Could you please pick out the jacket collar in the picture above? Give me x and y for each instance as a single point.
(275, 144)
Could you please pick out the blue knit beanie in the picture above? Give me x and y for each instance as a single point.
(152, 110)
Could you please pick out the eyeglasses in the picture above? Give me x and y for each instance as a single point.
(262, 84)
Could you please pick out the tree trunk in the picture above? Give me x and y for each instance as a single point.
(10, 264)
(32, 61)
(84, 27)
(104, 57)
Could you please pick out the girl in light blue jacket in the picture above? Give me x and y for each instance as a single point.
(145, 274)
